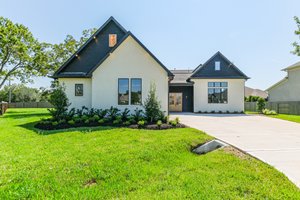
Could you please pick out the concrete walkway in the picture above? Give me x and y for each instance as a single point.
(274, 141)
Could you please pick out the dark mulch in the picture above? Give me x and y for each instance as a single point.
(45, 126)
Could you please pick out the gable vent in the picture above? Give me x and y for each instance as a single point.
(112, 40)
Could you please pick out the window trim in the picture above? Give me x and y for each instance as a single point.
(77, 84)
(128, 92)
(214, 87)
(131, 79)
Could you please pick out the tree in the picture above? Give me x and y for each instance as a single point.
(21, 55)
(297, 32)
(59, 53)
(260, 105)
(152, 105)
(20, 93)
(59, 101)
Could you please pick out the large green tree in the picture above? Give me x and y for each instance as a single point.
(21, 93)
(21, 55)
(297, 32)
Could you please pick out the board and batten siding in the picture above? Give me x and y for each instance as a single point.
(236, 93)
(78, 101)
(287, 90)
(129, 60)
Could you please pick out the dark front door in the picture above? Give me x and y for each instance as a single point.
(184, 101)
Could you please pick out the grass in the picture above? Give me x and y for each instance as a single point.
(292, 118)
(107, 163)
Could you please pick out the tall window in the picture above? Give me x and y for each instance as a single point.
(123, 93)
(136, 91)
(217, 66)
(112, 40)
(217, 92)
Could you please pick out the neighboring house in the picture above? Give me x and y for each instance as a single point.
(288, 89)
(255, 92)
(113, 68)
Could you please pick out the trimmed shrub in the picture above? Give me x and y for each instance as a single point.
(173, 123)
(141, 123)
(101, 121)
(159, 123)
(71, 122)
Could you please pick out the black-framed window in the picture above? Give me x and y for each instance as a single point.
(123, 91)
(217, 92)
(136, 91)
(78, 89)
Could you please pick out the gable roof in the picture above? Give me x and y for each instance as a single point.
(277, 84)
(180, 77)
(228, 69)
(96, 50)
(294, 66)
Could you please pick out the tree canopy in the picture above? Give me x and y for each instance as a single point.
(22, 56)
(297, 32)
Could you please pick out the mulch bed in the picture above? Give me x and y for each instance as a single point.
(43, 126)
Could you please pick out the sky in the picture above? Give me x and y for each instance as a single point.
(255, 35)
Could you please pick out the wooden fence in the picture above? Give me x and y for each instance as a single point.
(30, 105)
(287, 107)
(3, 107)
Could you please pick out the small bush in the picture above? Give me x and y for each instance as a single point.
(117, 121)
(141, 123)
(127, 123)
(95, 118)
(159, 123)
(269, 112)
(71, 122)
(87, 121)
(173, 123)
(101, 121)
(55, 123)
(177, 120)
(152, 105)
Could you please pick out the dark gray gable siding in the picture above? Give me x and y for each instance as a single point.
(228, 69)
(92, 52)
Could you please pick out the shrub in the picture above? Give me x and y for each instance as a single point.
(125, 114)
(55, 123)
(84, 118)
(269, 112)
(62, 121)
(59, 101)
(101, 121)
(138, 115)
(141, 123)
(95, 118)
(173, 123)
(117, 121)
(77, 119)
(127, 123)
(112, 113)
(177, 120)
(260, 105)
(152, 105)
(159, 123)
(71, 122)
(87, 121)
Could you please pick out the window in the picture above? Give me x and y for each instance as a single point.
(217, 66)
(78, 89)
(112, 40)
(136, 91)
(123, 93)
(217, 92)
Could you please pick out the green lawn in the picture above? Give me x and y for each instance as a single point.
(292, 118)
(107, 163)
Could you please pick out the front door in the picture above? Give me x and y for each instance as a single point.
(175, 102)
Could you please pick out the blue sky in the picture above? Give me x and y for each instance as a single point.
(255, 35)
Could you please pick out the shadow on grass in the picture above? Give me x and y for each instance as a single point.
(30, 126)
(17, 115)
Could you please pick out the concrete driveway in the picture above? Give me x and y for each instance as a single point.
(274, 141)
